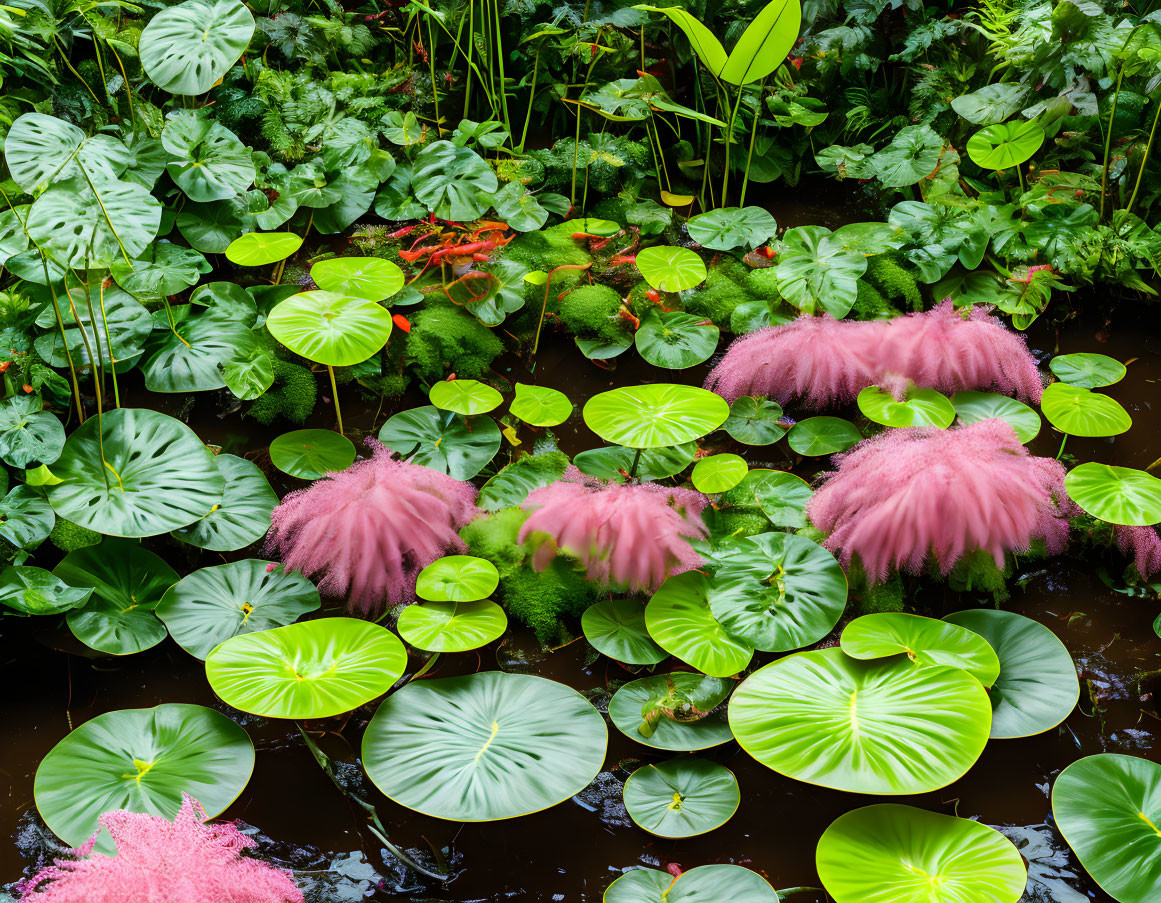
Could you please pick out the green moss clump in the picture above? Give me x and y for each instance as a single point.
(894, 281)
(725, 288)
(882, 596)
(592, 312)
(68, 537)
(494, 538)
(762, 284)
(870, 305)
(977, 572)
(447, 339)
(524, 170)
(291, 396)
(740, 522)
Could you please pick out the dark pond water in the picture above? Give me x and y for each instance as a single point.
(571, 852)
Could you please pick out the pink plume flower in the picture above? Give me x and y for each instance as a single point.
(1144, 545)
(159, 861)
(633, 536)
(824, 361)
(366, 532)
(906, 494)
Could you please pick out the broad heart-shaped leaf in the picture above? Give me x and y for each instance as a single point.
(1117, 495)
(1037, 687)
(755, 421)
(457, 578)
(311, 454)
(671, 269)
(972, 407)
(912, 156)
(732, 227)
(259, 249)
(141, 760)
(484, 747)
(369, 278)
(540, 405)
(704, 884)
(681, 797)
(164, 269)
(673, 711)
(42, 149)
(613, 462)
(765, 43)
(675, 339)
(616, 628)
(1083, 412)
(493, 292)
(314, 669)
(213, 604)
(817, 436)
(127, 582)
(865, 727)
(889, 853)
(206, 160)
(679, 620)
(452, 626)
(1087, 370)
(212, 228)
(656, 415)
(190, 355)
(870, 238)
(1005, 144)
(519, 208)
(464, 396)
(442, 440)
(718, 473)
(156, 475)
(26, 518)
(782, 496)
(1108, 807)
(991, 103)
(514, 481)
(243, 515)
(330, 329)
(924, 641)
(816, 274)
(453, 182)
(186, 48)
(777, 591)
(35, 591)
(919, 407)
(27, 433)
(114, 322)
(92, 222)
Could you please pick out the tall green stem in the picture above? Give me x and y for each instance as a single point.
(729, 143)
(335, 396)
(109, 346)
(499, 51)
(1144, 160)
(1108, 142)
(531, 98)
(753, 135)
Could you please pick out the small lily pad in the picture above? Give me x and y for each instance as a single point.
(452, 626)
(817, 436)
(616, 628)
(464, 396)
(681, 797)
(1087, 370)
(540, 406)
(457, 578)
(311, 454)
(718, 473)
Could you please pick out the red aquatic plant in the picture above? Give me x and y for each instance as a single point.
(160, 861)
(1144, 545)
(629, 535)
(824, 361)
(908, 494)
(366, 532)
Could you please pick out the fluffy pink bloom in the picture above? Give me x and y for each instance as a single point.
(823, 361)
(366, 532)
(1144, 545)
(158, 861)
(905, 494)
(634, 536)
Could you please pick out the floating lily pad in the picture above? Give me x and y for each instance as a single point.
(311, 454)
(817, 436)
(442, 440)
(673, 711)
(259, 249)
(1082, 412)
(782, 496)
(671, 269)
(681, 797)
(919, 407)
(704, 884)
(755, 421)
(679, 619)
(613, 462)
(330, 329)
(484, 747)
(540, 406)
(1117, 495)
(1087, 370)
(675, 339)
(718, 473)
(457, 578)
(464, 396)
(925, 641)
(616, 628)
(972, 407)
(243, 515)
(656, 415)
(452, 626)
(368, 278)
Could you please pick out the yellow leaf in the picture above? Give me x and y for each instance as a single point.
(676, 200)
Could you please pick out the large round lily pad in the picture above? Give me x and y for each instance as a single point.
(655, 415)
(866, 727)
(314, 669)
(311, 454)
(243, 515)
(925, 641)
(1037, 687)
(672, 711)
(670, 269)
(680, 621)
(1108, 807)
(616, 628)
(682, 797)
(142, 760)
(464, 396)
(972, 407)
(1083, 412)
(1117, 495)
(816, 436)
(483, 747)
(330, 329)
(368, 278)
(918, 407)
(889, 853)
(1087, 370)
(452, 626)
(704, 884)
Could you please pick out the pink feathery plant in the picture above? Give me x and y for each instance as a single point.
(907, 494)
(824, 361)
(634, 536)
(159, 861)
(366, 532)
(1144, 545)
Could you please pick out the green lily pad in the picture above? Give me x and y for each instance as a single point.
(899, 854)
(675, 339)
(679, 619)
(671, 269)
(1037, 687)
(511, 485)
(972, 407)
(681, 797)
(817, 436)
(330, 329)
(368, 278)
(314, 669)
(1087, 370)
(704, 884)
(1005, 144)
(540, 406)
(616, 628)
(920, 407)
(452, 626)
(1108, 807)
(484, 747)
(732, 227)
(719, 473)
(311, 454)
(243, 515)
(656, 415)
(141, 760)
(1116, 495)
(213, 604)
(613, 462)
(925, 641)
(464, 396)
(457, 578)
(34, 591)
(673, 711)
(443, 441)
(755, 421)
(1083, 412)
(865, 727)
(259, 249)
